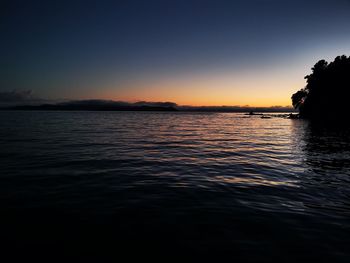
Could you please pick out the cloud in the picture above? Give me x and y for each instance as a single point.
(14, 96)
(19, 97)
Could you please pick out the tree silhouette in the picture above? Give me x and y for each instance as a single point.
(326, 94)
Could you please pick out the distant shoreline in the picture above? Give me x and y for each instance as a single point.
(151, 109)
(50, 107)
(110, 105)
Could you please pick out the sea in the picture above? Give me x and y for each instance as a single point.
(173, 186)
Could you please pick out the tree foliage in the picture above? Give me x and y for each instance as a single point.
(327, 91)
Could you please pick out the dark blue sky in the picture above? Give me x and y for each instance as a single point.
(140, 49)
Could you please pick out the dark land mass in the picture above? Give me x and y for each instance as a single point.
(97, 105)
(102, 105)
(72, 107)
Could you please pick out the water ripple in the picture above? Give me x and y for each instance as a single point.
(276, 172)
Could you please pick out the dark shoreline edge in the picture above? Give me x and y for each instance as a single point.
(223, 109)
(51, 107)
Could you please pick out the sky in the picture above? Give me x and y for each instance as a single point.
(191, 52)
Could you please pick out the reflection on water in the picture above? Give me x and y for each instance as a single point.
(330, 142)
(255, 181)
(220, 185)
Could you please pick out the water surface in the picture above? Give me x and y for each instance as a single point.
(212, 184)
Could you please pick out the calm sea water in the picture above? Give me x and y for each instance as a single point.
(208, 184)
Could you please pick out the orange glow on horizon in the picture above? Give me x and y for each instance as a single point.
(259, 89)
(207, 101)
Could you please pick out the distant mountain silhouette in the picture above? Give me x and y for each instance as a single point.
(326, 94)
(23, 100)
(100, 105)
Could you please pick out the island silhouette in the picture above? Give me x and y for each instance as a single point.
(100, 105)
(326, 95)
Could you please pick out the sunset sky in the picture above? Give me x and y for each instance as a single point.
(192, 52)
